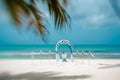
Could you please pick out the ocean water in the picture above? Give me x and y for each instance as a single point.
(42, 51)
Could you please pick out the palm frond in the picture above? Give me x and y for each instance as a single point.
(38, 20)
(14, 10)
(116, 6)
(60, 15)
(64, 2)
(21, 8)
(32, 1)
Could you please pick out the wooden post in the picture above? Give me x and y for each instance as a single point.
(89, 56)
(82, 57)
(40, 53)
(49, 53)
(77, 52)
(32, 57)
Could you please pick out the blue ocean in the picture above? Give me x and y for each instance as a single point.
(48, 51)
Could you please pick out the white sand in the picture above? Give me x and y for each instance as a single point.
(52, 70)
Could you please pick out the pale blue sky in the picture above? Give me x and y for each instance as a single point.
(93, 22)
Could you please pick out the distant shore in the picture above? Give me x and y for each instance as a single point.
(98, 69)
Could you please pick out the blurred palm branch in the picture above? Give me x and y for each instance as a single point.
(21, 8)
(116, 6)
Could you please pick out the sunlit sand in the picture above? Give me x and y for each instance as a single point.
(102, 69)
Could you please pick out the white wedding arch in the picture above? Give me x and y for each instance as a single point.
(63, 42)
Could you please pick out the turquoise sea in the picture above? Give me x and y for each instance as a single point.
(24, 51)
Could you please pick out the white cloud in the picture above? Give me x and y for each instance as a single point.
(94, 21)
(92, 13)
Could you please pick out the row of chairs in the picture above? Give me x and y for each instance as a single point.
(83, 54)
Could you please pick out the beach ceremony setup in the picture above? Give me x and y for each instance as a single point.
(59, 39)
(64, 55)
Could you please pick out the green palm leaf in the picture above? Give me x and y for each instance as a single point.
(60, 15)
(21, 8)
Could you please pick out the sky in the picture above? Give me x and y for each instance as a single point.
(93, 22)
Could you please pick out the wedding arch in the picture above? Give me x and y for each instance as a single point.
(63, 42)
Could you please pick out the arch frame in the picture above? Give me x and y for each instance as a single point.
(60, 43)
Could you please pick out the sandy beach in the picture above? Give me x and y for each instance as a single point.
(51, 70)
